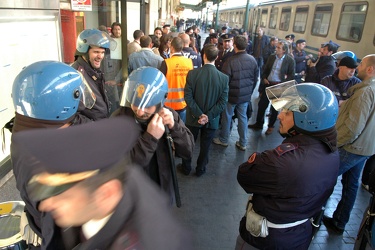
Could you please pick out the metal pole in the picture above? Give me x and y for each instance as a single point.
(246, 21)
(217, 16)
(142, 20)
(124, 40)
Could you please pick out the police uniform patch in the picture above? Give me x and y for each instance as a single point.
(285, 147)
(252, 158)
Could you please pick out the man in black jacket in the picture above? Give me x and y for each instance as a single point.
(324, 65)
(279, 68)
(243, 73)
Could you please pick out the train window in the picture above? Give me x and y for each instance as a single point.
(273, 18)
(352, 20)
(285, 18)
(301, 19)
(322, 19)
(263, 18)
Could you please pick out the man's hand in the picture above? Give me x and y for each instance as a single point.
(156, 127)
(167, 117)
(203, 119)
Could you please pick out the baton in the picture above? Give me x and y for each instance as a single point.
(173, 167)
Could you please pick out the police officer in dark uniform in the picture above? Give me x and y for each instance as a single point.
(91, 47)
(96, 196)
(291, 183)
(226, 52)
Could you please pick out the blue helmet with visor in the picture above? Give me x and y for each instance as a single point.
(50, 90)
(315, 107)
(94, 37)
(144, 88)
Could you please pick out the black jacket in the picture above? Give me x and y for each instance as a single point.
(290, 183)
(243, 73)
(95, 79)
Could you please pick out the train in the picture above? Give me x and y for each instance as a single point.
(347, 23)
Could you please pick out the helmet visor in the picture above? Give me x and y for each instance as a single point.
(88, 97)
(285, 96)
(140, 95)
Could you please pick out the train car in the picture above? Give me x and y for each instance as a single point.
(347, 23)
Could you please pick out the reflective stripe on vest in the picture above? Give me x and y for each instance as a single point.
(177, 70)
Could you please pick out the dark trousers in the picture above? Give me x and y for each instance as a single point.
(262, 106)
(206, 137)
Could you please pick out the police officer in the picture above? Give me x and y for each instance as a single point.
(143, 100)
(46, 94)
(94, 194)
(287, 184)
(90, 51)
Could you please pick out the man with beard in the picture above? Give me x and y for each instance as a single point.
(143, 99)
(90, 51)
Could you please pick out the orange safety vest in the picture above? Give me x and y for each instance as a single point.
(177, 70)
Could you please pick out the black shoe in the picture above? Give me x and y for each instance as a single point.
(183, 169)
(200, 171)
(330, 225)
(255, 126)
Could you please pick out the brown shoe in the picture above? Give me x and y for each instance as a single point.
(269, 131)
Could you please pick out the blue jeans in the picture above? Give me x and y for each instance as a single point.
(351, 166)
(206, 137)
(182, 114)
(226, 119)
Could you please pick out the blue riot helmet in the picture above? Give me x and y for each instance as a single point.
(144, 88)
(341, 54)
(94, 37)
(50, 90)
(315, 107)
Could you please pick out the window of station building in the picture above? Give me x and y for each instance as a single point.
(273, 18)
(301, 19)
(285, 18)
(352, 21)
(241, 17)
(322, 19)
(263, 18)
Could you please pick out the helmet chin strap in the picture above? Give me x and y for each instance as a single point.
(291, 132)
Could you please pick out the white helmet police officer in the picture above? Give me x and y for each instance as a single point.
(49, 91)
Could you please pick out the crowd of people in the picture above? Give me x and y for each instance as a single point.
(123, 136)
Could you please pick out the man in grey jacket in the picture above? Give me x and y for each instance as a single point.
(354, 130)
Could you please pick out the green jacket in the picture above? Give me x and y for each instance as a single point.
(206, 92)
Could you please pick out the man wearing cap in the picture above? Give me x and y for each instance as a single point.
(301, 58)
(324, 65)
(226, 52)
(290, 38)
(355, 128)
(166, 29)
(96, 196)
(343, 78)
(224, 30)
